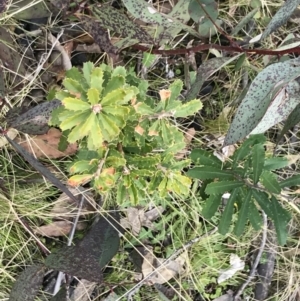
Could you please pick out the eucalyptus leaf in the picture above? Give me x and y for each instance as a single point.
(281, 17)
(28, 284)
(280, 108)
(87, 258)
(118, 22)
(259, 96)
(34, 121)
(147, 13)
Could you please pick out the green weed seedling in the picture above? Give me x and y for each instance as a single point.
(127, 139)
(253, 185)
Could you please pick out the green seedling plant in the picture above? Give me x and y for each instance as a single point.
(250, 178)
(127, 139)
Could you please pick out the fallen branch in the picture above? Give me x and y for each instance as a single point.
(202, 47)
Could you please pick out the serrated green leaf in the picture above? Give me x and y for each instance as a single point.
(269, 180)
(258, 157)
(87, 70)
(243, 151)
(75, 74)
(81, 166)
(175, 88)
(226, 217)
(93, 96)
(279, 211)
(263, 201)
(210, 172)
(108, 126)
(74, 120)
(121, 194)
(96, 79)
(162, 187)
(243, 214)
(292, 181)
(88, 125)
(133, 194)
(143, 109)
(115, 83)
(61, 95)
(119, 71)
(75, 104)
(74, 87)
(115, 161)
(203, 157)
(113, 98)
(117, 111)
(189, 108)
(143, 161)
(211, 205)
(276, 163)
(77, 180)
(178, 184)
(281, 219)
(222, 186)
(95, 138)
(254, 216)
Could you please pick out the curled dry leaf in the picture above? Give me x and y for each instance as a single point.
(59, 228)
(46, 145)
(164, 94)
(65, 207)
(188, 136)
(165, 273)
(236, 264)
(64, 211)
(137, 218)
(139, 130)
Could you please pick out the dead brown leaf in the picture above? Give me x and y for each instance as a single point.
(46, 145)
(188, 136)
(65, 207)
(165, 273)
(137, 218)
(59, 228)
(164, 94)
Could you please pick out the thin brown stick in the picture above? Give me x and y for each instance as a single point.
(202, 47)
